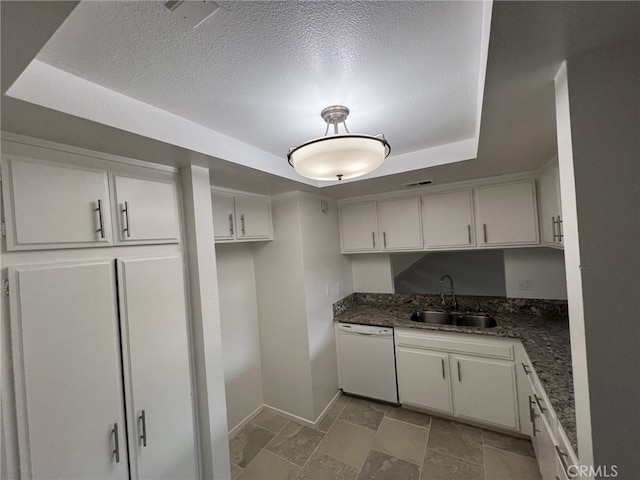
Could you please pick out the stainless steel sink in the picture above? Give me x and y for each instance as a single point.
(460, 319)
(426, 316)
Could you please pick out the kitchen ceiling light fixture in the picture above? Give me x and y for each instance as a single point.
(340, 156)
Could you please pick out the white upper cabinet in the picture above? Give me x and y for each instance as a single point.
(447, 220)
(506, 214)
(147, 210)
(49, 205)
(550, 206)
(399, 224)
(359, 227)
(239, 217)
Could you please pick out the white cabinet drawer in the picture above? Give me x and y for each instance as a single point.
(454, 343)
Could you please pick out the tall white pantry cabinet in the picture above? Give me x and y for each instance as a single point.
(100, 341)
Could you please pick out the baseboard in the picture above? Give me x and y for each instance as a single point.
(234, 431)
(304, 421)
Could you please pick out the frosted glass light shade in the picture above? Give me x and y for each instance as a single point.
(339, 157)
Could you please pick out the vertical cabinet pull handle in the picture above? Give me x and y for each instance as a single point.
(560, 233)
(231, 224)
(373, 239)
(459, 374)
(100, 219)
(562, 456)
(244, 232)
(525, 367)
(532, 415)
(143, 421)
(469, 233)
(384, 239)
(484, 232)
(553, 228)
(542, 409)
(442, 360)
(125, 210)
(116, 443)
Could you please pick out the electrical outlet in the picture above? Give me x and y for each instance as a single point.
(525, 284)
(327, 289)
(338, 288)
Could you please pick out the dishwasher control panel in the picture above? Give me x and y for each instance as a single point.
(365, 329)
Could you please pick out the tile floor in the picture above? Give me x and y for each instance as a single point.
(365, 440)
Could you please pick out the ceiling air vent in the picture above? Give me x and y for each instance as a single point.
(193, 12)
(421, 183)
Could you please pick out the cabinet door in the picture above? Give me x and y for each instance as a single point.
(158, 380)
(55, 206)
(223, 216)
(68, 377)
(506, 214)
(423, 379)
(485, 390)
(546, 451)
(359, 227)
(253, 218)
(447, 220)
(400, 224)
(147, 210)
(550, 212)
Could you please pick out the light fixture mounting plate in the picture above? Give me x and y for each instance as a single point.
(335, 114)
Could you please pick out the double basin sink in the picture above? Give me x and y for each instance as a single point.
(459, 319)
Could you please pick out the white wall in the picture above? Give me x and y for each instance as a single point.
(323, 264)
(543, 266)
(599, 151)
(282, 312)
(240, 332)
(372, 273)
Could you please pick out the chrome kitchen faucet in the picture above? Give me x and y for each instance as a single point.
(454, 303)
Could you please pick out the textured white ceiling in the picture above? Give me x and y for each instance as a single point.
(261, 72)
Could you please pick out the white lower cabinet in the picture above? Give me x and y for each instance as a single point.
(423, 379)
(455, 374)
(81, 369)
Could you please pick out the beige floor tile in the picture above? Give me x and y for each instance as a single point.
(501, 465)
(505, 442)
(457, 439)
(401, 440)
(270, 421)
(324, 467)
(330, 418)
(267, 466)
(295, 442)
(235, 471)
(348, 443)
(364, 413)
(439, 466)
(343, 400)
(409, 416)
(380, 466)
(248, 443)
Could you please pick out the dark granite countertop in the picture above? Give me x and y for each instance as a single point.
(543, 330)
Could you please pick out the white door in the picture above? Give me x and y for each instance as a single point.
(400, 224)
(423, 379)
(54, 205)
(158, 380)
(147, 210)
(359, 227)
(253, 218)
(485, 390)
(447, 219)
(506, 214)
(67, 371)
(223, 216)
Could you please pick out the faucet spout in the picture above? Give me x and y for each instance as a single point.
(452, 291)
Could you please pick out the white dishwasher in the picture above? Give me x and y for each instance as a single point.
(367, 362)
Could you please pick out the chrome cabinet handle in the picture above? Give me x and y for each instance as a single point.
(542, 409)
(384, 239)
(484, 231)
(562, 456)
(533, 416)
(125, 210)
(442, 359)
(116, 443)
(373, 239)
(100, 219)
(459, 375)
(143, 436)
(553, 228)
(525, 367)
(560, 229)
(231, 223)
(244, 232)
(469, 233)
